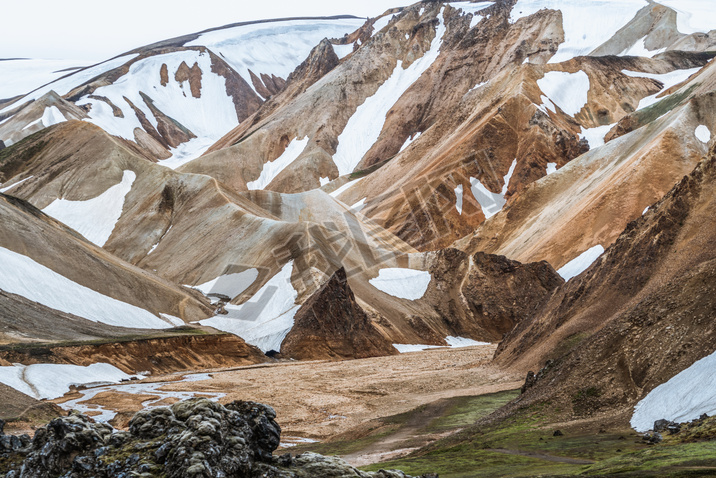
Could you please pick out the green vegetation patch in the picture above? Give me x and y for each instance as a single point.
(692, 459)
(657, 110)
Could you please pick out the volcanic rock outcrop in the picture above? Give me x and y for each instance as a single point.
(331, 324)
(195, 438)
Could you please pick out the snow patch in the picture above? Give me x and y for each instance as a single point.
(274, 168)
(587, 25)
(23, 276)
(175, 321)
(646, 210)
(229, 285)
(473, 9)
(409, 141)
(668, 79)
(346, 186)
(267, 318)
(95, 218)
(551, 168)
(358, 207)
(458, 196)
(364, 127)
(639, 49)
(595, 136)
(402, 283)
(381, 23)
(84, 403)
(5, 189)
(703, 134)
(52, 115)
(569, 91)
(343, 51)
(580, 264)
(685, 397)
(48, 381)
(453, 342)
(324, 181)
(492, 203)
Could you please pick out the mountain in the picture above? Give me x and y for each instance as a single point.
(637, 317)
(334, 188)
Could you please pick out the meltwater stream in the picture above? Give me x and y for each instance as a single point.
(136, 388)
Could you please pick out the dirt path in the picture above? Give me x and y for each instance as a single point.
(322, 399)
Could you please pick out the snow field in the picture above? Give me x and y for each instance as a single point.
(67, 84)
(94, 218)
(692, 16)
(48, 381)
(209, 117)
(492, 203)
(402, 283)
(274, 168)
(587, 24)
(580, 264)
(274, 48)
(685, 397)
(23, 276)
(569, 91)
(267, 318)
(364, 127)
(22, 76)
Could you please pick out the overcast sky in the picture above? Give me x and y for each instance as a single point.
(94, 30)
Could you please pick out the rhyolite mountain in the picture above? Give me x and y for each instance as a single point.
(330, 187)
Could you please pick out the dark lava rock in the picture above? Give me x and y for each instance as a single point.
(652, 438)
(191, 439)
(558, 433)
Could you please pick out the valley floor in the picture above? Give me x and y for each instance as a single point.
(318, 400)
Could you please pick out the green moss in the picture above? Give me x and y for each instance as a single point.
(662, 460)
(453, 414)
(655, 111)
(367, 171)
(465, 411)
(10, 461)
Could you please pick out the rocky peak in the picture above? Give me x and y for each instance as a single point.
(332, 325)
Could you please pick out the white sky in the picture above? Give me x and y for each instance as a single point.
(93, 30)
